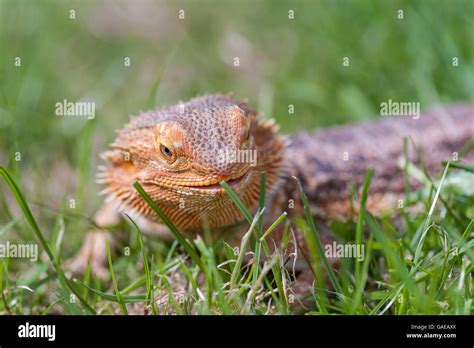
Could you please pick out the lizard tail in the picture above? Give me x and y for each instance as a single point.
(327, 161)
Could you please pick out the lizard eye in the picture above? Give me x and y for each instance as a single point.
(166, 151)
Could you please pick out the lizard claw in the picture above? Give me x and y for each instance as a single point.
(93, 251)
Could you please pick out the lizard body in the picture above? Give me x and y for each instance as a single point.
(330, 159)
(178, 155)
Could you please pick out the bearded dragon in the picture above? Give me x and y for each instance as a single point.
(180, 155)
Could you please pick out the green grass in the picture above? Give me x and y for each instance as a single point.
(403, 272)
(416, 261)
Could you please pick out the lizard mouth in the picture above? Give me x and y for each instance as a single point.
(233, 183)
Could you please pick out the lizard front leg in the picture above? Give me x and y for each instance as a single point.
(93, 248)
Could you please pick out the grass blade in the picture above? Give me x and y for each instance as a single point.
(243, 246)
(237, 201)
(146, 266)
(65, 284)
(112, 297)
(428, 218)
(360, 219)
(258, 242)
(458, 165)
(274, 225)
(189, 249)
(317, 240)
(114, 281)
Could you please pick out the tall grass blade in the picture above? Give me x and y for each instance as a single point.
(64, 282)
(317, 240)
(189, 249)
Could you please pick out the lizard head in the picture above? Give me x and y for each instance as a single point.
(180, 154)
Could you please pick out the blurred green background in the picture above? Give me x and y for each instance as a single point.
(282, 61)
